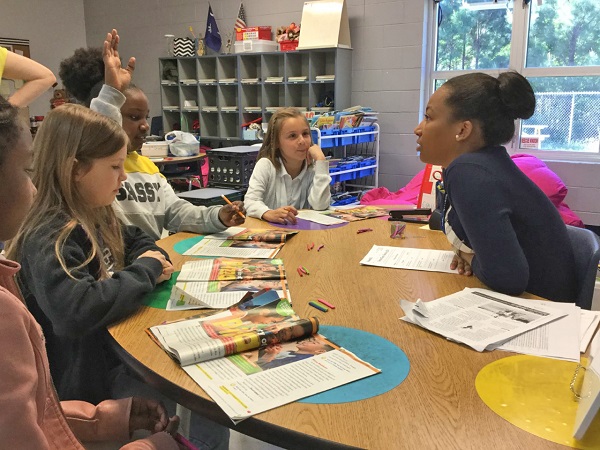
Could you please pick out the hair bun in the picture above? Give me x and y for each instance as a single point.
(516, 94)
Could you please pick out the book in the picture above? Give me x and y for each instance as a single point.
(222, 282)
(261, 355)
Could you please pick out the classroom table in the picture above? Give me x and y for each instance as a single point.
(436, 406)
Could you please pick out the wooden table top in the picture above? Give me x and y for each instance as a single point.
(436, 406)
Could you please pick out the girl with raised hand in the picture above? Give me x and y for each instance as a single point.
(502, 227)
(31, 415)
(291, 173)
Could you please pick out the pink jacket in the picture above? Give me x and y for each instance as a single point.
(31, 417)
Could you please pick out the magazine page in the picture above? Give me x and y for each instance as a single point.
(263, 235)
(230, 269)
(409, 258)
(318, 217)
(358, 213)
(234, 249)
(219, 294)
(238, 330)
(244, 384)
(479, 318)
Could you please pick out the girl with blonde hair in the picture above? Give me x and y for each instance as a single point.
(291, 172)
(81, 268)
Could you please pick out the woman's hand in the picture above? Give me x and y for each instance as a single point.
(228, 214)
(314, 154)
(114, 75)
(462, 262)
(284, 215)
(151, 415)
(168, 268)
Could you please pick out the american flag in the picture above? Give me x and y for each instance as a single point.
(240, 22)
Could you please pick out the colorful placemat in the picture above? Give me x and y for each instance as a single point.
(379, 352)
(307, 225)
(182, 246)
(533, 394)
(159, 297)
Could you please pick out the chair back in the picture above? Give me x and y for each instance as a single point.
(586, 248)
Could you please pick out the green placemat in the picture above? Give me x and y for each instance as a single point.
(159, 297)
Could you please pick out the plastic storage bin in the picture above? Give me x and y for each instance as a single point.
(263, 33)
(232, 166)
(348, 140)
(254, 46)
(365, 137)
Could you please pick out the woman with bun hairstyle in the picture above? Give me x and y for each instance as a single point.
(502, 227)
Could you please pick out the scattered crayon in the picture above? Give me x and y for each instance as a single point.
(300, 272)
(304, 270)
(364, 230)
(320, 300)
(320, 247)
(319, 307)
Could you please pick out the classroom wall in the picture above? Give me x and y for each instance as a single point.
(54, 30)
(386, 38)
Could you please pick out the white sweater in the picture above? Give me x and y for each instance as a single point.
(270, 188)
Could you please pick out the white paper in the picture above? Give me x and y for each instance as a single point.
(589, 325)
(589, 403)
(479, 318)
(409, 258)
(317, 217)
(558, 339)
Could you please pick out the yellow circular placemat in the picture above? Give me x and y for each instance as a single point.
(533, 394)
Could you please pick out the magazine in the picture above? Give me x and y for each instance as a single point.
(253, 234)
(260, 355)
(222, 282)
(358, 213)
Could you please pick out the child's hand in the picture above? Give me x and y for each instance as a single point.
(114, 75)
(228, 214)
(285, 215)
(168, 268)
(151, 415)
(314, 154)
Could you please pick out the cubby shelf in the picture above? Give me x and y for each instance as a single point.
(223, 87)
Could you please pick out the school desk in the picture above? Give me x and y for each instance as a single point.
(436, 406)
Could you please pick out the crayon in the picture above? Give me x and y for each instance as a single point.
(320, 300)
(184, 442)
(320, 247)
(319, 307)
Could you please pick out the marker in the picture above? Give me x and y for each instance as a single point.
(320, 300)
(229, 203)
(319, 307)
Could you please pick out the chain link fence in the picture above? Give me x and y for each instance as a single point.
(566, 121)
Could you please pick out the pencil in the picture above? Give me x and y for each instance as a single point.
(229, 203)
(184, 442)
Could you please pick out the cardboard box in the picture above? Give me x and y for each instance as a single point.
(254, 46)
(242, 34)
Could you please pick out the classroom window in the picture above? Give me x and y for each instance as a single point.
(551, 42)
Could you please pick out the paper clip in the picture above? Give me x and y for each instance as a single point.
(364, 230)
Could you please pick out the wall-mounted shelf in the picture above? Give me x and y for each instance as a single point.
(230, 90)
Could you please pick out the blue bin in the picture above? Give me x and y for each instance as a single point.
(349, 140)
(365, 137)
(326, 140)
(334, 178)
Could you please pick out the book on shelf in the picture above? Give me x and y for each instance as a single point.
(325, 78)
(272, 109)
(252, 108)
(250, 80)
(274, 80)
(168, 83)
(229, 108)
(221, 282)
(207, 80)
(227, 80)
(171, 108)
(189, 81)
(210, 109)
(298, 79)
(258, 355)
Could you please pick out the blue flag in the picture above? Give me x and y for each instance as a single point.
(212, 37)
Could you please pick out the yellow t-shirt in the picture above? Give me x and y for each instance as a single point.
(3, 53)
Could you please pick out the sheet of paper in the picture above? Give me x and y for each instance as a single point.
(479, 318)
(589, 325)
(409, 258)
(317, 217)
(558, 339)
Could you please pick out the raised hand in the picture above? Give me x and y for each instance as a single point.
(115, 75)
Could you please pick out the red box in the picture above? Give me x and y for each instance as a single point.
(288, 46)
(253, 33)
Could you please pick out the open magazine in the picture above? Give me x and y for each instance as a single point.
(222, 282)
(258, 355)
(358, 213)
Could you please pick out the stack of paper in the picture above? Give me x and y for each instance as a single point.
(207, 80)
(227, 80)
(480, 318)
(189, 81)
(325, 77)
(229, 108)
(250, 80)
(274, 80)
(210, 109)
(297, 79)
(252, 108)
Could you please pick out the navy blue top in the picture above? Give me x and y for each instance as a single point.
(518, 237)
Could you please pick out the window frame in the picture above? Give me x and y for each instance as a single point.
(517, 59)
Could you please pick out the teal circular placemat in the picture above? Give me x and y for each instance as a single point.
(379, 352)
(182, 246)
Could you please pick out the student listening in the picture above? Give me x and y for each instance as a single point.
(31, 415)
(291, 173)
(503, 228)
(146, 199)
